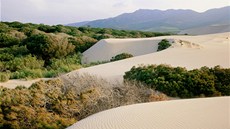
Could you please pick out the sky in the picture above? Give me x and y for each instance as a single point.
(70, 11)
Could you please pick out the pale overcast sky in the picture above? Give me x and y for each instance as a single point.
(69, 11)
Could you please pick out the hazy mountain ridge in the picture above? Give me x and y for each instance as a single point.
(169, 20)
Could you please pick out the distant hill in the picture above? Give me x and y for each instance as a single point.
(165, 21)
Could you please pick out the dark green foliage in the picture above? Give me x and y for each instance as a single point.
(53, 48)
(7, 40)
(6, 57)
(121, 56)
(49, 29)
(163, 44)
(178, 82)
(83, 43)
(36, 44)
(14, 24)
(222, 79)
(48, 47)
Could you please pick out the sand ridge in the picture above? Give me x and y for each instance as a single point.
(201, 113)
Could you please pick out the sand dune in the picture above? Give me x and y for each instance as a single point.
(188, 51)
(202, 113)
(105, 49)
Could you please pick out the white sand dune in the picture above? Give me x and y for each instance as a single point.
(188, 51)
(105, 49)
(202, 113)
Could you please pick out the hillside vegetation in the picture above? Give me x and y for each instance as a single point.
(38, 50)
(179, 82)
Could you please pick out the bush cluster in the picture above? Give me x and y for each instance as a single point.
(163, 44)
(121, 56)
(57, 104)
(37, 50)
(179, 82)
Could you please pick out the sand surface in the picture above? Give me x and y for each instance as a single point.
(202, 113)
(187, 51)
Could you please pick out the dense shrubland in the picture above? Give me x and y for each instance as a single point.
(179, 82)
(59, 103)
(38, 50)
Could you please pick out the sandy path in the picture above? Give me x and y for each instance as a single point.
(16, 82)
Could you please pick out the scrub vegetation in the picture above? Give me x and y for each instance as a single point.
(37, 50)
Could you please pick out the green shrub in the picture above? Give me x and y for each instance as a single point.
(121, 56)
(70, 62)
(8, 53)
(163, 44)
(27, 62)
(83, 43)
(178, 82)
(222, 79)
(51, 73)
(48, 46)
(6, 57)
(27, 73)
(6, 40)
(4, 77)
(2, 66)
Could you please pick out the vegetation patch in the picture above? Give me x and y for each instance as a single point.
(179, 82)
(37, 50)
(57, 104)
(121, 56)
(163, 44)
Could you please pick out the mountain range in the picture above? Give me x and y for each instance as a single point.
(177, 21)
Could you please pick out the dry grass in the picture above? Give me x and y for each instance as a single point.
(97, 94)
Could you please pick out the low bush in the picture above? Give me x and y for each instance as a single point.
(121, 56)
(26, 62)
(4, 77)
(6, 40)
(163, 44)
(27, 74)
(179, 82)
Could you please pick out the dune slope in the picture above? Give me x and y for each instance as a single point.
(187, 51)
(205, 113)
(105, 49)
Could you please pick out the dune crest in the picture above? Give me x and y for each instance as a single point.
(185, 44)
(202, 113)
